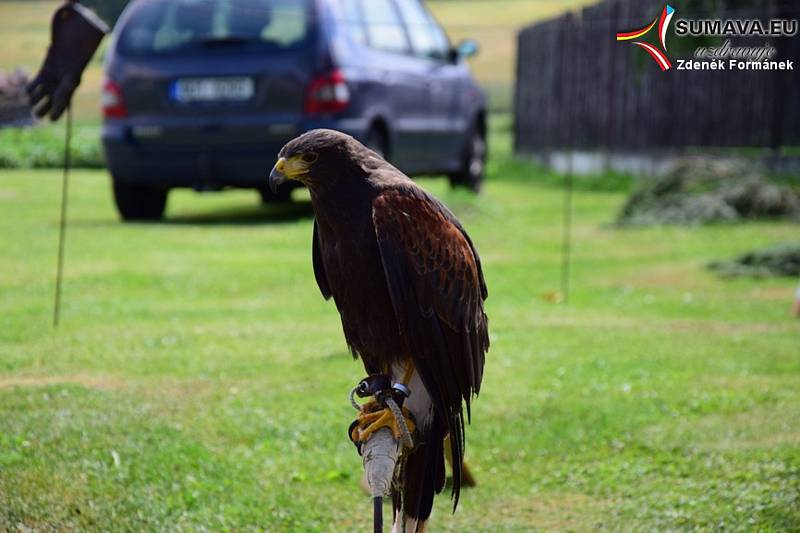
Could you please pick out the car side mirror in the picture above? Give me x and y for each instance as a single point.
(464, 49)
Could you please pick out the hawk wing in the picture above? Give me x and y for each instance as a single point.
(319, 268)
(437, 289)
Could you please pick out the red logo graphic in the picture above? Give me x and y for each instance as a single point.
(659, 56)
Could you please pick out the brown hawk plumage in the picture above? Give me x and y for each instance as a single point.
(408, 284)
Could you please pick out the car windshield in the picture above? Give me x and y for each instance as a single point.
(168, 26)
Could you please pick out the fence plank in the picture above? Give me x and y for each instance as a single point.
(577, 87)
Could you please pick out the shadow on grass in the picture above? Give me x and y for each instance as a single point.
(231, 216)
(244, 216)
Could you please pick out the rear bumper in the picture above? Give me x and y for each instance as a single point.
(216, 158)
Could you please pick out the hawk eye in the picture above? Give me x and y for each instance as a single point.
(310, 158)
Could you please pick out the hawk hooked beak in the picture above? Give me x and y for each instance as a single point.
(292, 168)
(278, 175)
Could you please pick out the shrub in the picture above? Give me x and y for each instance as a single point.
(43, 147)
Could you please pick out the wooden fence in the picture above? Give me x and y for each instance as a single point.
(579, 88)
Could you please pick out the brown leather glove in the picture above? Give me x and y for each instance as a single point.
(75, 34)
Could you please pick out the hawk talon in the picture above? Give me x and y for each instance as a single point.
(373, 417)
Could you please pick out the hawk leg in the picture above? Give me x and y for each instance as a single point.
(373, 417)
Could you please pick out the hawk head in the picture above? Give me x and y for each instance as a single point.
(315, 157)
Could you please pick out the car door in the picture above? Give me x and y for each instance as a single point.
(402, 83)
(445, 120)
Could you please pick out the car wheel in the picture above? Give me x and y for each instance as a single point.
(376, 141)
(474, 162)
(283, 195)
(139, 202)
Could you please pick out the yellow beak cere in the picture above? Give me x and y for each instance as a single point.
(293, 168)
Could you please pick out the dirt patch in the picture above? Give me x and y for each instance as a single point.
(561, 512)
(721, 327)
(676, 276)
(717, 327)
(8, 194)
(702, 190)
(760, 428)
(533, 512)
(85, 380)
(772, 294)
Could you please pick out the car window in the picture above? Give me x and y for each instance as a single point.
(287, 24)
(384, 27)
(427, 38)
(164, 26)
(354, 21)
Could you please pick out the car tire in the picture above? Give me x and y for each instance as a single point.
(375, 140)
(139, 202)
(474, 162)
(283, 195)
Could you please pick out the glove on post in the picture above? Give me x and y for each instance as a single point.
(75, 34)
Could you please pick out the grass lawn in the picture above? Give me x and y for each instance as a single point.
(198, 379)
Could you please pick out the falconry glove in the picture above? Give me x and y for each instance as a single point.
(75, 34)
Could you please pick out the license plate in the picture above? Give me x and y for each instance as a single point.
(213, 90)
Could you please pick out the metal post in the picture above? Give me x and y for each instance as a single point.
(566, 241)
(62, 229)
(377, 514)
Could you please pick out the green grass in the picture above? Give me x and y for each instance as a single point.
(198, 380)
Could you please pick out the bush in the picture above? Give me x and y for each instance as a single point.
(43, 147)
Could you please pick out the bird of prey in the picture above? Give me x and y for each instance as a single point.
(408, 285)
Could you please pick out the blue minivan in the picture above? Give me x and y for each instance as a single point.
(203, 93)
